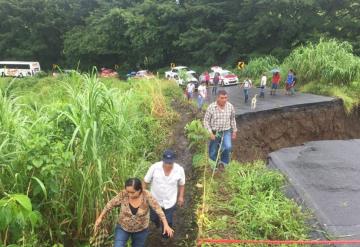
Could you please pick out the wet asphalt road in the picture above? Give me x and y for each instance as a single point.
(270, 102)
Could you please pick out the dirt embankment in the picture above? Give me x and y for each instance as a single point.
(263, 132)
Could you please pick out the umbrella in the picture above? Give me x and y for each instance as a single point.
(275, 71)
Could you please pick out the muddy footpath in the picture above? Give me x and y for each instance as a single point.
(185, 218)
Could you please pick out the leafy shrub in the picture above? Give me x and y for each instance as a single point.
(197, 134)
(17, 218)
(257, 66)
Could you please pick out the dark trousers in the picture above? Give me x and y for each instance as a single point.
(214, 89)
(169, 214)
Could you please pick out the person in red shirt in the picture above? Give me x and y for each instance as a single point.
(275, 83)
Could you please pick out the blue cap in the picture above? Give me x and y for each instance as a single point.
(168, 156)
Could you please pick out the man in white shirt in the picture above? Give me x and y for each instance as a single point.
(167, 181)
(263, 85)
(202, 92)
(190, 88)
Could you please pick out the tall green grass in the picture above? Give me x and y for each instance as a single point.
(250, 203)
(257, 66)
(327, 68)
(69, 144)
(328, 62)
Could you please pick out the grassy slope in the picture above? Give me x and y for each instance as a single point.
(246, 202)
(81, 137)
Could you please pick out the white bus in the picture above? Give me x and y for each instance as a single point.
(18, 69)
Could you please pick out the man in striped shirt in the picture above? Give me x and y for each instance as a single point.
(220, 121)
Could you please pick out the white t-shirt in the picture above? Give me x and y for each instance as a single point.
(165, 188)
(190, 87)
(263, 81)
(202, 91)
(247, 83)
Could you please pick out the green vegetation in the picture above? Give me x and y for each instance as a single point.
(329, 62)
(67, 144)
(202, 32)
(246, 202)
(257, 66)
(327, 67)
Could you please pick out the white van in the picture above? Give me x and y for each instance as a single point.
(19, 69)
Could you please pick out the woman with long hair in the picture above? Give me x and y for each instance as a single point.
(133, 222)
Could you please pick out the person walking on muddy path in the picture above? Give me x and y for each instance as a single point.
(202, 94)
(190, 88)
(246, 85)
(220, 122)
(167, 181)
(216, 81)
(133, 222)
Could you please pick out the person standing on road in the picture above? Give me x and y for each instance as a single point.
(220, 121)
(246, 85)
(190, 88)
(167, 181)
(216, 81)
(202, 93)
(292, 88)
(275, 83)
(133, 220)
(263, 85)
(289, 82)
(207, 78)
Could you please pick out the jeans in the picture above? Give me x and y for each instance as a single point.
(138, 238)
(214, 89)
(225, 148)
(189, 95)
(246, 93)
(169, 214)
(262, 91)
(200, 101)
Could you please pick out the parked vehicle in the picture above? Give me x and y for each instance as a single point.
(144, 74)
(175, 72)
(226, 77)
(19, 69)
(108, 73)
(131, 74)
(190, 77)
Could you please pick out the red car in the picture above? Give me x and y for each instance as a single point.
(108, 73)
(226, 77)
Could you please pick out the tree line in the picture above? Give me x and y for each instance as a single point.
(153, 33)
